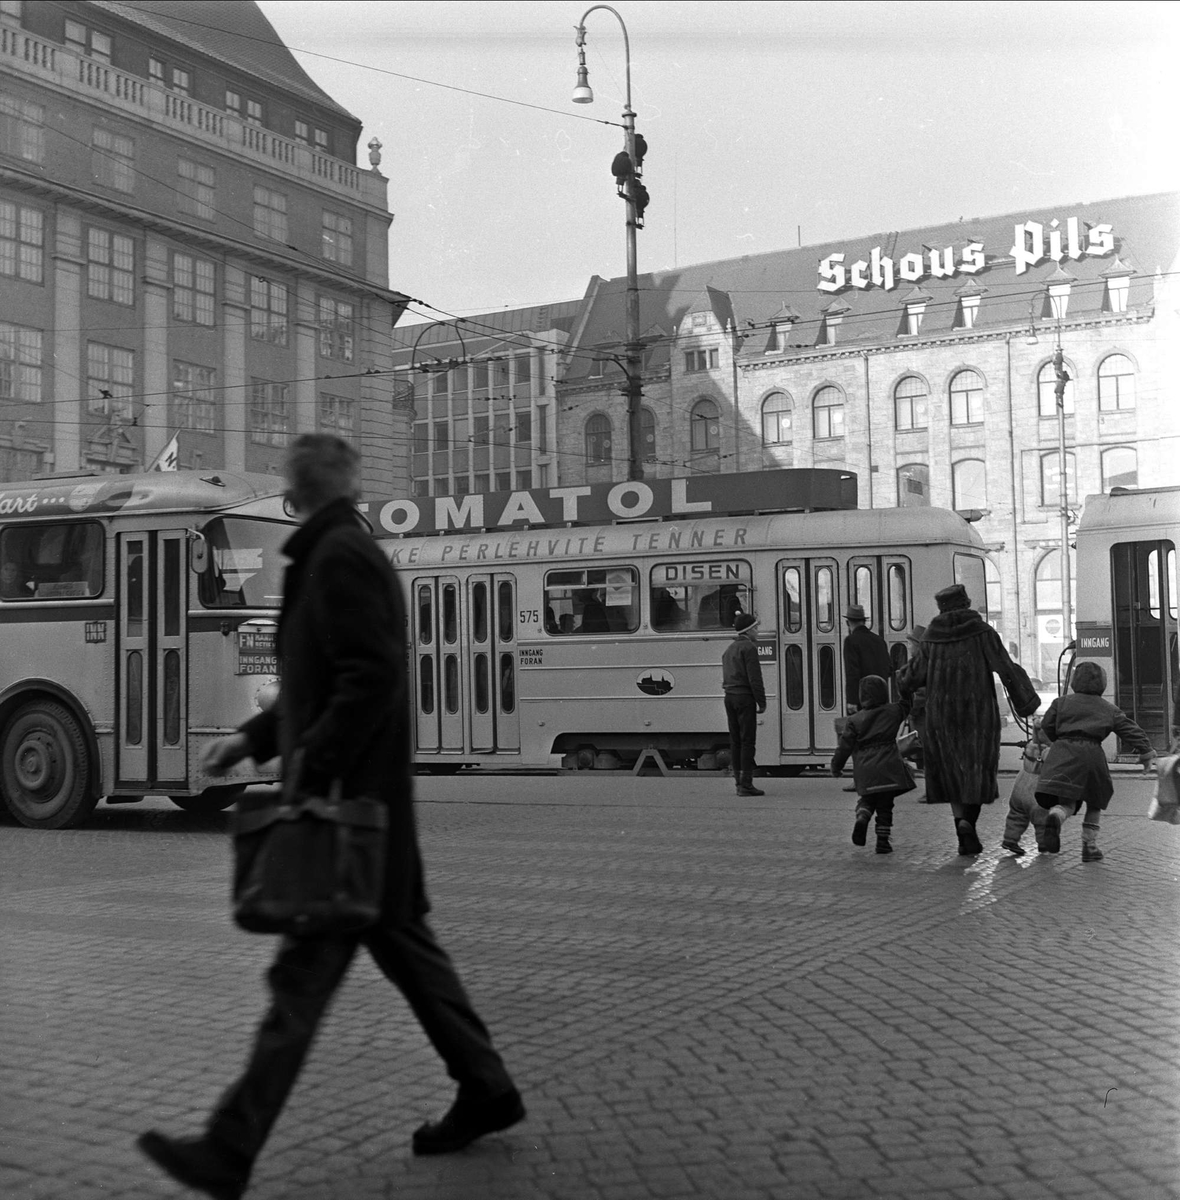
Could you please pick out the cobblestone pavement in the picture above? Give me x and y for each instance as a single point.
(701, 997)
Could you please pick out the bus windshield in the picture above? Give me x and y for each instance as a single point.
(245, 567)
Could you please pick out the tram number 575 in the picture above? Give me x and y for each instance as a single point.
(529, 616)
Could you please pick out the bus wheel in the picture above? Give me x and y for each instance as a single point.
(45, 767)
(211, 800)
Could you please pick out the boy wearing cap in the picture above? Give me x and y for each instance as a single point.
(745, 697)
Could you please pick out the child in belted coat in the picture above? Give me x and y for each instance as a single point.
(1075, 771)
(878, 772)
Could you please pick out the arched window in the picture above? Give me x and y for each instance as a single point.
(705, 427)
(1120, 468)
(1047, 391)
(776, 419)
(1050, 619)
(1116, 383)
(598, 439)
(967, 398)
(913, 486)
(1051, 476)
(994, 588)
(828, 413)
(647, 435)
(909, 403)
(969, 484)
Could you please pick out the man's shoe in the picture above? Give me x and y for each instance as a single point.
(197, 1163)
(1051, 838)
(1015, 848)
(467, 1120)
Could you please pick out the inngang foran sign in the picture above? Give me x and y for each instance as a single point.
(1032, 243)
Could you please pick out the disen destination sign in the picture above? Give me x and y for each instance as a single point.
(601, 503)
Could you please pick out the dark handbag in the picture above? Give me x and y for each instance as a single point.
(309, 866)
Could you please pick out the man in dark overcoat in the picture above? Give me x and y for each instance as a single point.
(344, 705)
(955, 660)
(865, 653)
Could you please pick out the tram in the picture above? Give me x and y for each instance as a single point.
(139, 615)
(541, 644)
(1126, 606)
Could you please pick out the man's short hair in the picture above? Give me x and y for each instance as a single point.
(320, 468)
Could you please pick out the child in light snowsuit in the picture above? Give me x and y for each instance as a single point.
(1023, 809)
(878, 772)
(1075, 771)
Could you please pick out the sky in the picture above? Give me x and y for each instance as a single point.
(769, 125)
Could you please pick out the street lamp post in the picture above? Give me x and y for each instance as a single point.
(1058, 297)
(630, 188)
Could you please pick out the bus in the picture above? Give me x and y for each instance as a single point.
(1126, 606)
(140, 615)
(544, 646)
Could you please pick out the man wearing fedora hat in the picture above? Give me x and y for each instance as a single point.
(865, 653)
(745, 698)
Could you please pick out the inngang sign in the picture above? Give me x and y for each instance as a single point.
(1032, 243)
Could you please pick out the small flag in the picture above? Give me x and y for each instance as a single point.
(169, 458)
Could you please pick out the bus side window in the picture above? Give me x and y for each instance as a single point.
(62, 561)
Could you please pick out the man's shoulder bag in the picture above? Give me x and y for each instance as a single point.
(308, 865)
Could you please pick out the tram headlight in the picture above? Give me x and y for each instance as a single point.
(267, 695)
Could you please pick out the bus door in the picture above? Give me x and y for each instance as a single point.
(152, 672)
(491, 602)
(1145, 633)
(810, 682)
(437, 674)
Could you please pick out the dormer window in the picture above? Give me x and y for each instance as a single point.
(915, 309)
(1118, 287)
(1057, 289)
(968, 307)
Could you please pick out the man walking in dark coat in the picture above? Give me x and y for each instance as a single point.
(344, 704)
(865, 653)
(745, 697)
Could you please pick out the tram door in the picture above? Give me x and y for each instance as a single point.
(152, 671)
(491, 603)
(1145, 635)
(437, 674)
(810, 681)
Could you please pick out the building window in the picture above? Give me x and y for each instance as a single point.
(86, 41)
(182, 81)
(597, 368)
(321, 140)
(268, 311)
(112, 160)
(22, 129)
(194, 405)
(479, 377)
(523, 371)
(156, 71)
(1116, 294)
(10, 11)
(302, 133)
(253, 112)
(647, 435)
(967, 398)
(777, 412)
(233, 103)
(1120, 468)
(22, 242)
(967, 312)
(270, 214)
(1116, 383)
(110, 373)
(195, 190)
(75, 36)
(700, 360)
(969, 484)
(336, 239)
(110, 266)
(338, 415)
(440, 383)
(269, 425)
(523, 427)
(20, 363)
(1047, 391)
(828, 413)
(704, 428)
(336, 336)
(1050, 479)
(913, 486)
(598, 439)
(192, 289)
(909, 403)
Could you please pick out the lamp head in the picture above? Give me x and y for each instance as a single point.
(582, 92)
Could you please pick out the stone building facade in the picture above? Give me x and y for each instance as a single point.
(187, 248)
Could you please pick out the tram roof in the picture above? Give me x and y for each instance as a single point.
(1138, 508)
(870, 530)
(153, 491)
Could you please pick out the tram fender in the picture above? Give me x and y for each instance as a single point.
(26, 690)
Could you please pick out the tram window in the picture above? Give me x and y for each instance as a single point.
(898, 655)
(700, 595)
(451, 682)
(600, 600)
(827, 677)
(479, 614)
(245, 563)
(133, 726)
(481, 683)
(425, 617)
(62, 561)
(426, 683)
(969, 572)
(450, 615)
(172, 698)
(898, 606)
(506, 616)
(507, 683)
(171, 589)
(135, 587)
(862, 591)
(825, 600)
(793, 657)
(793, 600)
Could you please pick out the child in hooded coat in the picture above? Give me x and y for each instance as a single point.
(878, 771)
(1075, 771)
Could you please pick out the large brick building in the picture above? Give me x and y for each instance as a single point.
(187, 247)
